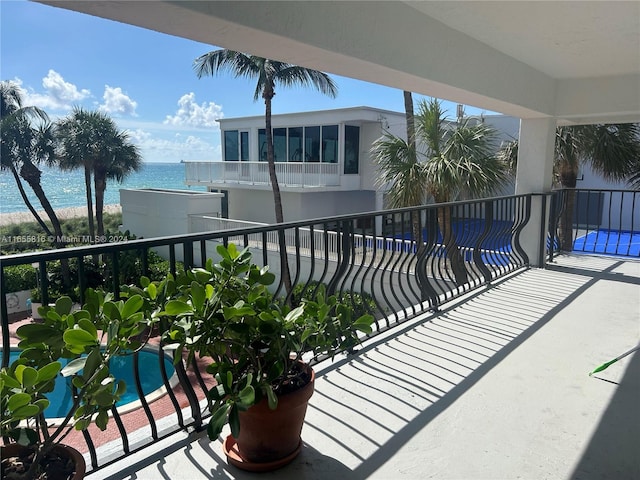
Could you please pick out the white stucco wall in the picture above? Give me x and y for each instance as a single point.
(257, 205)
(152, 213)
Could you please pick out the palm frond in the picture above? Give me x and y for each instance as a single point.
(508, 154)
(612, 150)
(399, 171)
(292, 75)
(430, 126)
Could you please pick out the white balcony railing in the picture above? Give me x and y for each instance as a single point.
(290, 174)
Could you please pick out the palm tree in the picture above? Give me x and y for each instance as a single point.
(269, 73)
(122, 159)
(411, 143)
(77, 148)
(449, 159)
(91, 140)
(612, 150)
(23, 147)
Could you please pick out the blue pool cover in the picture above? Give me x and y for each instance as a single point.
(610, 242)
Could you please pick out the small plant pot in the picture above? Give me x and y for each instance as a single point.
(63, 451)
(270, 439)
(34, 311)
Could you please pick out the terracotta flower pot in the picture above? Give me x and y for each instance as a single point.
(270, 439)
(64, 451)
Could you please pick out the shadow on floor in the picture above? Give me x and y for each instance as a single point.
(614, 449)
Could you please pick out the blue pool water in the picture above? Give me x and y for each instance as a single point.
(611, 242)
(122, 369)
(495, 248)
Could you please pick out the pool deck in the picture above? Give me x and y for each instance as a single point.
(495, 386)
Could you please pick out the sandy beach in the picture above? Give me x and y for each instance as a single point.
(63, 213)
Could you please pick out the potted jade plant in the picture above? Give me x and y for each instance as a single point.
(257, 348)
(77, 345)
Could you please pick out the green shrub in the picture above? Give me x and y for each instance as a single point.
(362, 303)
(20, 277)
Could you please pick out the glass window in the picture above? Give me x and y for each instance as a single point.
(280, 144)
(262, 145)
(351, 149)
(231, 153)
(311, 144)
(296, 153)
(330, 144)
(244, 146)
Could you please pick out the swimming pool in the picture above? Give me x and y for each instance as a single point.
(122, 369)
(611, 242)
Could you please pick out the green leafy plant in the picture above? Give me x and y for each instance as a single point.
(77, 345)
(20, 277)
(360, 303)
(256, 345)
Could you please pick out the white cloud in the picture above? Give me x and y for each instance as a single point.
(59, 94)
(193, 115)
(115, 101)
(178, 147)
(138, 136)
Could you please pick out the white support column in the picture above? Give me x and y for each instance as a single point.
(535, 175)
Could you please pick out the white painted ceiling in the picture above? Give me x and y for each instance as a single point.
(576, 61)
(562, 39)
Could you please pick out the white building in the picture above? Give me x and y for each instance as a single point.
(323, 162)
(322, 159)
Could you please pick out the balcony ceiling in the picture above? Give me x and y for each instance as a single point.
(578, 61)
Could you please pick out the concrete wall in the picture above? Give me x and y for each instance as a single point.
(152, 213)
(257, 205)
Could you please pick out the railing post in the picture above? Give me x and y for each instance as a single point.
(543, 235)
(477, 250)
(5, 320)
(427, 292)
(346, 229)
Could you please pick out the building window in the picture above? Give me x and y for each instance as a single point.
(312, 144)
(301, 144)
(280, 144)
(244, 146)
(236, 146)
(231, 150)
(351, 149)
(262, 145)
(330, 144)
(296, 152)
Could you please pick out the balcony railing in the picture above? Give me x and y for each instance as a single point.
(371, 259)
(290, 174)
(595, 221)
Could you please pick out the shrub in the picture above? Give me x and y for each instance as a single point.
(362, 303)
(20, 277)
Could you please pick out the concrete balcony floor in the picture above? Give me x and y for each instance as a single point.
(493, 387)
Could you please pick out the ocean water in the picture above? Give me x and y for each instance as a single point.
(66, 189)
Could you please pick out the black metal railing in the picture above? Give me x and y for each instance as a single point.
(372, 260)
(595, 221)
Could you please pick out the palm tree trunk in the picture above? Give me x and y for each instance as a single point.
(27, 202)
(31, 175)
(417, 231)
(87, 186)
(566, 221)
(411, 142)
(451, 249)
(100, 184)
(409, 115)
(568, 180)
(277, 198)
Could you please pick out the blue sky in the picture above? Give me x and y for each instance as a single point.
(145, 81)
